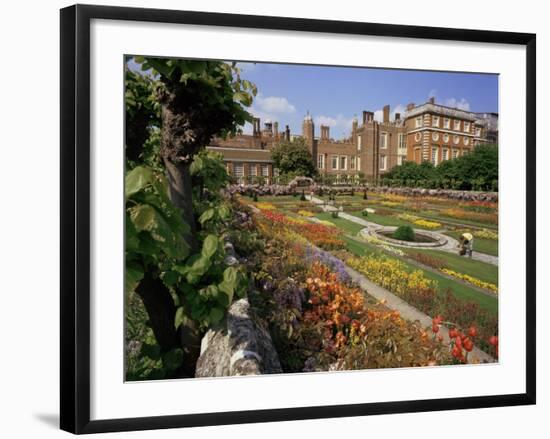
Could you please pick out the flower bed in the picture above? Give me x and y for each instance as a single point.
(489, 218)
(392, 274)
(321, 235)
(419, 221)
(422, 293)
(471, 280)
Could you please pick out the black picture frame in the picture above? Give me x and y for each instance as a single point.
(75, 217)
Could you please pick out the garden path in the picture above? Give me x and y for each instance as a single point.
(407, 311)
(451, 246)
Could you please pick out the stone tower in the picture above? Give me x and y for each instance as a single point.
(308, 132)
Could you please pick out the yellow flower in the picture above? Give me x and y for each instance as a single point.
(472, 280)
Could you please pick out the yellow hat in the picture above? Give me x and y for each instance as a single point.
(468, 236)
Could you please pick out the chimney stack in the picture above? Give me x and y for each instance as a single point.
(287, 133)
(432, 100)
(397, 116)
(256, 126)
(386, 111)
(275, 129)
(410, 106)
(325, 132)
(364, 117)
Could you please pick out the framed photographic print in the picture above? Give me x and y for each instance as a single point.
(284, 218)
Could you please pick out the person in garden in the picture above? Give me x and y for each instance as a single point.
(467, 244)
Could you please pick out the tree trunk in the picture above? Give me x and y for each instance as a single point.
(161, 310)
(181, 194)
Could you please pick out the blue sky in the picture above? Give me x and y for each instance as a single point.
(333, 95)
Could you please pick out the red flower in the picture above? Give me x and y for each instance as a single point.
(453, 333)
(472, 332)
(493, 340)
(468, 344)
(458, 342)
(435, 328)
(437, 320)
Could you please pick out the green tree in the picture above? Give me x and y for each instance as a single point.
(174, 253)
(293, 158)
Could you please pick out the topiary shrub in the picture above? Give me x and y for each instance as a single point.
(404, 233)
(303, 196)
(334, 214)
(255, 197)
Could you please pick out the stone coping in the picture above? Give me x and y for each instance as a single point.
(439, 239)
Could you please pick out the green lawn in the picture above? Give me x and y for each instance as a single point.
(348, 226)
(481, 245)
(461, 264)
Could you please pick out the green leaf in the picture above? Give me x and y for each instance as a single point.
(171, 360)
(132, 276)
(170, 278)
(151, 350)
(180, 317)
(144, 217)
(216, 314)
(207, 215)
(209, 246)
(137, 179)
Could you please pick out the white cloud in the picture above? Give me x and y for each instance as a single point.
(340, 124)
(461, 104)
(399, 108)
(273, 104)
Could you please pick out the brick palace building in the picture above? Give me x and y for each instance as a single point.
(428, 131)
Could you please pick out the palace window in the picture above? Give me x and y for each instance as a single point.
(447, 123)
(238, 169)
(334, 162)
(252, 170)
(358, 163)
(265, 170)
(383, 140)
(321, 161)
(434, 154)
(445, 154)
(383, 162)
(455, 153)
(466, 140)
(457, 125)
(401, 159)
(343, 162)
(467, 127)
(435, 121)
(418, 121)
(478, 132)
(359, 140)
(401, 141)
(352, 162)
